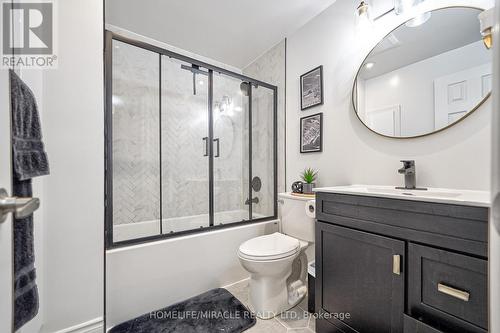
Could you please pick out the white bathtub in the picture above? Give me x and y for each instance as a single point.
(175, 224)
(145, 277)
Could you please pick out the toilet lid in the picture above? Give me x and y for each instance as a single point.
(269, 247)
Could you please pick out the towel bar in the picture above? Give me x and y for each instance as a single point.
(21, 207)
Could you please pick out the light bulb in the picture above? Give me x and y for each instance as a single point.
(486, 22)
(363, 20)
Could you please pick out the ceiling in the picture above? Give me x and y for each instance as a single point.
(234, 32)
(447, 29)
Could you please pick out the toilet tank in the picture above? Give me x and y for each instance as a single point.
(294, 220)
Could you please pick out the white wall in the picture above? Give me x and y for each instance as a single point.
(456, 158)
(73, 194)
(412, 86)
(6, 227)
(151, 276)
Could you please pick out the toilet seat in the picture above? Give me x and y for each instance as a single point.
(269, 247)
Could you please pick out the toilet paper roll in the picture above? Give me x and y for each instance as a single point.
(311, 208)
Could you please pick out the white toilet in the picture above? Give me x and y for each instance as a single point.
(277, 263)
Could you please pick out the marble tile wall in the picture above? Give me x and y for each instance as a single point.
(136, 164)
(184, 124)
(269, 68)
(230, 190)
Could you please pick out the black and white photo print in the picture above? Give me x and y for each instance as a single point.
(311, 88)
(311, 136)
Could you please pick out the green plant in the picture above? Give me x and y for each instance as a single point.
(309, 175)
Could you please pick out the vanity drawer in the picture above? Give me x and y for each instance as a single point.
(447, 288)
(454, 227)
(412, 325)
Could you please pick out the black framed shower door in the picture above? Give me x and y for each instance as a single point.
(255, 113)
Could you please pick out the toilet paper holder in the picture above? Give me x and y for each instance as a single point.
(310, 208)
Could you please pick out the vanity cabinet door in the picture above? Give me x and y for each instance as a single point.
(360, 279)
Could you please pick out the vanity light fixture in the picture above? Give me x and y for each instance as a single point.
(400, 7)
(363, 9)
(486, 22)
(363, 14)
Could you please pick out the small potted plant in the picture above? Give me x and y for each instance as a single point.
(309, 175)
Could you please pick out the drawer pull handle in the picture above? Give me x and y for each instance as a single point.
(396, 264)
(460, 294)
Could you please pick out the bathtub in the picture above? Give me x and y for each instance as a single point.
(175, 224)
(153, 275)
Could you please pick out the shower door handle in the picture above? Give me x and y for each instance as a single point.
(206, 145)
(218, 147)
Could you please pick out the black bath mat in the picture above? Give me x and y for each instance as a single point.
(216, 310)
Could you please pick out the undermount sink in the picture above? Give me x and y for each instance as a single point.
(450, 196)
(418, 193)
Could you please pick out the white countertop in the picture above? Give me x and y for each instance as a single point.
(439, 195)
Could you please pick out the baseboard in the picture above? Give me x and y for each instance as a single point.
(92, 326)
(233, 283)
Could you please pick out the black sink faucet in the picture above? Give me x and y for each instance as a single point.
(410, 173)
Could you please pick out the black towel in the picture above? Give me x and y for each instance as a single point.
(29, 160)
(29, 156)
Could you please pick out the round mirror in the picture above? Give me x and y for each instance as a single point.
(426, 75)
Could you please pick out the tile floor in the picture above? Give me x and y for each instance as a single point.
(296, 320)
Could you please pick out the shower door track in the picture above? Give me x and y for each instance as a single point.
(108, 62)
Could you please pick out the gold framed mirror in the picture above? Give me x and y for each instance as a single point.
(425, 76)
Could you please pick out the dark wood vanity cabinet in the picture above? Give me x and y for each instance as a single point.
(358, 280)
(391, 265)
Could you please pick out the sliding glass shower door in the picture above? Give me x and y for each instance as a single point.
(263, 146)
(135, 142)
(230, 139)
(185, 146)
(189, 146)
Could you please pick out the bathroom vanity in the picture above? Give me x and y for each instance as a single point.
(391, 260)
